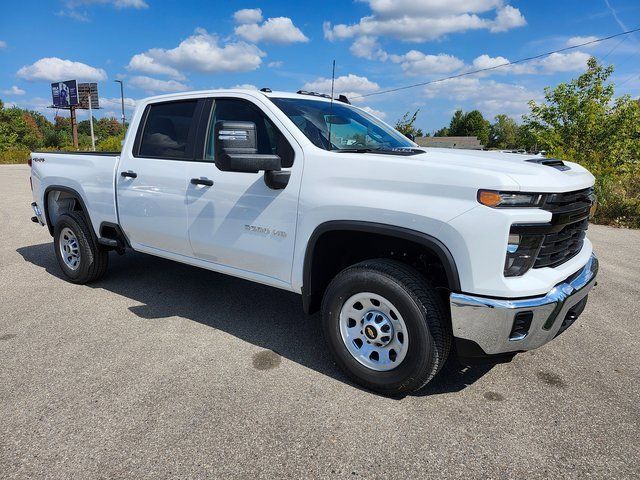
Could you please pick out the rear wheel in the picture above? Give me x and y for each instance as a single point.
(80, 257)
(386, 326)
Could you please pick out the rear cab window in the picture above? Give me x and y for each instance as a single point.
(169, 130)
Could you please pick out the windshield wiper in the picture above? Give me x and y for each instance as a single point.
(354, 150)
(386, 151)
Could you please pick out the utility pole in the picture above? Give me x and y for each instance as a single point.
(122, 101)
(74, 126)
(93, 138)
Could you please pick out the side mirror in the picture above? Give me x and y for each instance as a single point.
(236, 149)
(411, 137)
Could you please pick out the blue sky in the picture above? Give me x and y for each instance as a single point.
(163, 46)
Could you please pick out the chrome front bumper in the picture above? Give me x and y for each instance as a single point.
(489, 322)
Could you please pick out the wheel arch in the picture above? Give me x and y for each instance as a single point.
(70, 194)
(317, 272)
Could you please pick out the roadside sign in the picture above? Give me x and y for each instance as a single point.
(86, 90)
(65, 94)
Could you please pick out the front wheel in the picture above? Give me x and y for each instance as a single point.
(386, 326)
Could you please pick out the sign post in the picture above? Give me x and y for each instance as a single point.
(74, 126)
(88, 96)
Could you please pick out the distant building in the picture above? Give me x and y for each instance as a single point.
(471, 143)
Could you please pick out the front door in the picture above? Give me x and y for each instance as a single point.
(153, 179)
(237, 221)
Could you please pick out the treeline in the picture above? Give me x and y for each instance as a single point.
(22, 131)
(504, 133)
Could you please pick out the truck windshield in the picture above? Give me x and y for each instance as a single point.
(352, 130)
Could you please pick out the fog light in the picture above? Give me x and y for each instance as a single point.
(522, 251)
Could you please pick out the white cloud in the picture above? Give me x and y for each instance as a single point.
(279, 30)
(248, 15)
(245, 86)
(13, 91)
(564, 62)
(3, 44)
(153, 85)
(489, 96)
(147, 64)
(377, 113)
(399, 8)
(485, 61)
(573, 41)
(275, 64)
(56, 69)
(202, 52)
(508, 17)
(350, 85)
(38, 104)
(413, 21)
(115, 103)
(368, 47)
(417, 63)
(75, 15)
(137, 4)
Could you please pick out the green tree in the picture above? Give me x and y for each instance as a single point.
(581, 121)
(456, 124)
(470, 124)
(407, 124)
(443, 132)
(110, 144)
(504, 132)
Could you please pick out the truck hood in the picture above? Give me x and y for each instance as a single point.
(527, 172)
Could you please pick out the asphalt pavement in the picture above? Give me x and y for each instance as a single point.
(162, 370)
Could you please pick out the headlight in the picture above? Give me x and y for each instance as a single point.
(494, 199)
(522, 251)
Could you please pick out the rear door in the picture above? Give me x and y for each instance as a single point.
(235, 220)
(152, 180)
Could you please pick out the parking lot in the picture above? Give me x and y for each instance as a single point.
(164, 370)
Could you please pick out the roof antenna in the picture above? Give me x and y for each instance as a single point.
(333, 78)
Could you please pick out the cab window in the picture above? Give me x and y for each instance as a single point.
(269, 139)
(168, 130)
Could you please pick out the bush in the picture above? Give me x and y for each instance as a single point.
(619, 199)
(14, 155)
(110, 144)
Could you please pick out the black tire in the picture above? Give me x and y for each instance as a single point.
(419, 305)
(94, 258)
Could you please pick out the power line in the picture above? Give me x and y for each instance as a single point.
(522, 60)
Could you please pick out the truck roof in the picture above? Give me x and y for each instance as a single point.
(248, 91)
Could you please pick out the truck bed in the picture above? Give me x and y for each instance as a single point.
(90, 174)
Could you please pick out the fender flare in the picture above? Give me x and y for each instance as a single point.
(309, 295)
(71, 191)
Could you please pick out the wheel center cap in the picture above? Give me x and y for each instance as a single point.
(370, 332)
(377, 328)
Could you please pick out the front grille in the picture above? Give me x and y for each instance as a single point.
(559, 247)
(572, 211)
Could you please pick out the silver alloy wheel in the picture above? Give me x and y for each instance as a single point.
(69, 248)
(373, 331)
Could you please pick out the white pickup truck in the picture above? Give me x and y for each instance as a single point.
(412, 254)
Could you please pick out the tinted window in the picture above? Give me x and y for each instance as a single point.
(167, 129)
(269, 138)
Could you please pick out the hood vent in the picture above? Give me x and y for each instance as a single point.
(550, 162)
